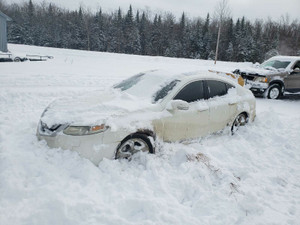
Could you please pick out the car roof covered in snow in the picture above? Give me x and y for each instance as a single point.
(146, 84)
(167, 75)
(287, 58)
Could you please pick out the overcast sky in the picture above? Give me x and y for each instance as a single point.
(251, 9)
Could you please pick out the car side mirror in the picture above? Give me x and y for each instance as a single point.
(296, 70)
(293, 71)
(178, 105)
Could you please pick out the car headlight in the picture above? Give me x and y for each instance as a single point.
(85, 130)
(261, 79)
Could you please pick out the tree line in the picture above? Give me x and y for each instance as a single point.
(140, 32)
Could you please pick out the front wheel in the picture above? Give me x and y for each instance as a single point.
(274, 92)
(133, 144)
(240, 120)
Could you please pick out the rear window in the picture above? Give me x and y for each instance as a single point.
(217, 88)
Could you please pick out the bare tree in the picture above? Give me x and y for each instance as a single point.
(222, 12)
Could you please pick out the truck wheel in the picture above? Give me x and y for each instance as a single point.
(274, 92)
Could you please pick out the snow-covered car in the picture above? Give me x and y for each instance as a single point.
(276, 76)
(128, 117)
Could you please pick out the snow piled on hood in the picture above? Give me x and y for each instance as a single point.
(259, 70)
(98, 107)
(92, 108)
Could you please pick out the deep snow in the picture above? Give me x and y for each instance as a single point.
(249, 178)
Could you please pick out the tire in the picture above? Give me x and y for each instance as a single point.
(17, 59)
(133, 144)
(274, 92)
(240, 120)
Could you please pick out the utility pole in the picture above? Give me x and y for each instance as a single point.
(217, 47)
(222, 11)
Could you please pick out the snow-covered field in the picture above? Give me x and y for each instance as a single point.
(252, 177)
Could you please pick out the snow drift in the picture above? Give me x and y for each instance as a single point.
(249, 178)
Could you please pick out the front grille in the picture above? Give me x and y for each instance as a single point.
(247, 77)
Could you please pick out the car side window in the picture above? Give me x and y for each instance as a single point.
(217, 88)
(297, 65)
(192, 92)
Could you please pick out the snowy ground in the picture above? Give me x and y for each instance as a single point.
(249, 178)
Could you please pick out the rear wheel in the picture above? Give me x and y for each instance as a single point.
(240, 120)
(133, 144)
(274, 91)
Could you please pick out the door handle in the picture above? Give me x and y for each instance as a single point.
(232, 103)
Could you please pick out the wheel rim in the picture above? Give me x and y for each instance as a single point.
(132, 146)
(274, 93)
(241, 120)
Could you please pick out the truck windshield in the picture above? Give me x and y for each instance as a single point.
(275, 64)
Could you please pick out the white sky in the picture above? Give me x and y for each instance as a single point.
(251, 9)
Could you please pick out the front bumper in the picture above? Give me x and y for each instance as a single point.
(257, 88)
(94, 147)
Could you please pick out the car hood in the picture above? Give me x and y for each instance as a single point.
(95, 108)
(259, 71)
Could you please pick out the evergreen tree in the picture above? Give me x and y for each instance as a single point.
(115, 36)
(131, 35)
(258, 45)
(196, 44)
(242, 40)
(98, 37)
(230, 52)
(156, 37)
(169, 38)
(16, 33)
(143, 32)
(206, 49)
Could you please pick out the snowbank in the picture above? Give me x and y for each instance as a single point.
(249, 178)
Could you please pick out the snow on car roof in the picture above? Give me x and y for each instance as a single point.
(144, 85)
(287, 58)
(167, 75)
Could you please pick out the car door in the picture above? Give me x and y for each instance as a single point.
(292, 81)
(191, 123)
(221, 107)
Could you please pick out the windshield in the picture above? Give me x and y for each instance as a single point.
(164, 90)
(151, 86)
(275, 64)
(128, 83)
